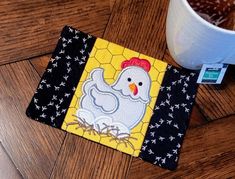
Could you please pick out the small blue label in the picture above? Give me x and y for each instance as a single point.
(212, 73)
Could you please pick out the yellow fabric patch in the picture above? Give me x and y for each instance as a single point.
(109, 56)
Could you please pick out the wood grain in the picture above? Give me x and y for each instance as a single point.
(218, 101)
(197, 118)
(31, 28)
(80, 158)
(129, 25)
(40, 63)
(208, 152)
(7, 167)
(32, 146)
(139, 25)
(214, 101)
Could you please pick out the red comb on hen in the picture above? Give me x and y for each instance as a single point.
(135, 61)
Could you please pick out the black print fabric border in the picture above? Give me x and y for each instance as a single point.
(170, 120)
(58, 84)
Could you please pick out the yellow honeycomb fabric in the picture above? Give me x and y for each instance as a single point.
(109, 56)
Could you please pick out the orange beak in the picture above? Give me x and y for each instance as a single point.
(133, 88)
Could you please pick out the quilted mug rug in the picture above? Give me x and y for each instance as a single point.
(115, 96)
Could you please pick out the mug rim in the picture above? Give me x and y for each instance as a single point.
(185, 2)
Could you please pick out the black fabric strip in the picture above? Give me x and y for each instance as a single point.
(170, 120)
(57, 86)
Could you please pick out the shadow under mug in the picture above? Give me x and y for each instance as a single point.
(192, 41)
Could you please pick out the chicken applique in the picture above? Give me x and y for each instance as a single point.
(116, 109)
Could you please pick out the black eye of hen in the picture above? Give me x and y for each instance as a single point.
(129, 79)
(140, 83)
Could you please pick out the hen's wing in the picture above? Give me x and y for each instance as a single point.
(96, 79)
(106, 101)
(102, 95)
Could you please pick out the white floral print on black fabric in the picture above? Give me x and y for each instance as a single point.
(56, 89)
(170, 120)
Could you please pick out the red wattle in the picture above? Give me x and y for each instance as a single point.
(135, 91)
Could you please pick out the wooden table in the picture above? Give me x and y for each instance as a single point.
(28, 149)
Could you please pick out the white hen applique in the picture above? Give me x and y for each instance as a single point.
(116, 109)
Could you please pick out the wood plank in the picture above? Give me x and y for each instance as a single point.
(208, 152)
(111, 2)
(134, 24)
(139, 25)
(40, 63)
(197, 118)
(214, 101)
(124, 20)
(32, 146)
(7, 167)
(80, 158)
(218, 101)
(32, 28)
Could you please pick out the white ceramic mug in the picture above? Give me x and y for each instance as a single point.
(192, 41)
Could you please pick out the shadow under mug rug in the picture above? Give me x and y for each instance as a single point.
(115, 96)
